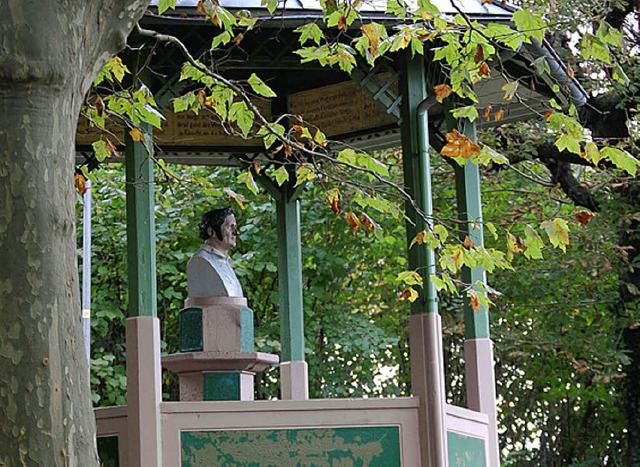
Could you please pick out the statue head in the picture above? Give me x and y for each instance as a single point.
(218, 228)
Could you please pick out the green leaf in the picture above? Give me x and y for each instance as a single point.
(247, 178)
(409, 278)
(470, 112)
(164, 5)
(372, 164)
(270, 137)
(304, 173)
(310, 32)
(242, 116)
(100, 150)
(505, 35)
(621, 159)
(223, 39)
(348, 156)
(281, 174)
(533, 243)
(591, 47)
(558, 232)
(444, 282)
(510, 90)
(530, 23)
(259, 87)
(568, 142)
(442, 232)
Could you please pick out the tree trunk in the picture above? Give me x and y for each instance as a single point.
(50, 51)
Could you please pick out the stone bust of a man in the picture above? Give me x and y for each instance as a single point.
(209, 271)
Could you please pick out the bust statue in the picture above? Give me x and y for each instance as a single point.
(209, 271)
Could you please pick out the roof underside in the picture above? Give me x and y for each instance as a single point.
(268, 51)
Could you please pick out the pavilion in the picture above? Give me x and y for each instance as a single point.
(372, 108)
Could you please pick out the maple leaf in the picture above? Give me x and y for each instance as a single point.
(583, 217)
(498, 116)
(474, 300)
(342, 23)
(99, 103)
(547, 115)
(484, 70)
(479, 54)
(79, 181)
(458, 145)
(409, 294)
(112, 148)
(302, 132)
(333, 198)
(468, 243)
(419, 238)
(368, 223)
(136, 135)
(238, 38)
(373, 35)
(353, 221)
(202, 97)
(442, 91)
(487, 113)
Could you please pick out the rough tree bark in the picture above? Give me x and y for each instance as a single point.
(50, 51)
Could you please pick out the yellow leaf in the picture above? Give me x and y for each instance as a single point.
(80, 184)
(409, 294)
(474, 301)
(136, 134)
(371, 32)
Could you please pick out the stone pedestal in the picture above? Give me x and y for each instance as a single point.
(217, 360)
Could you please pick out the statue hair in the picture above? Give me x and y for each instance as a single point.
(214, 219)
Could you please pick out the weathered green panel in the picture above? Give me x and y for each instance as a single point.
(465, 451)
(108, 451)
(190, 329)
(221, 386)
(246, 330)
(309, 447)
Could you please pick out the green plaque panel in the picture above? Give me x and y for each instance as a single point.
(221, 386)
(358, 446)
(108, 451)
(246, 330)
(465, 451)
(190, 327)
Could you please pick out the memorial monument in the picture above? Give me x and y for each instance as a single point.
(209, 271)
(217, 359)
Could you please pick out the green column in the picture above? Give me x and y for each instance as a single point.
(289, 265)
(417, 176)
(141, 238)
(290, 277)
(470, 212)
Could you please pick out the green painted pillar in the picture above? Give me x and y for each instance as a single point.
(290, 277)
(417, 177)
(470, 213)
(425, 324)
(141, 237)
(289, 265)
